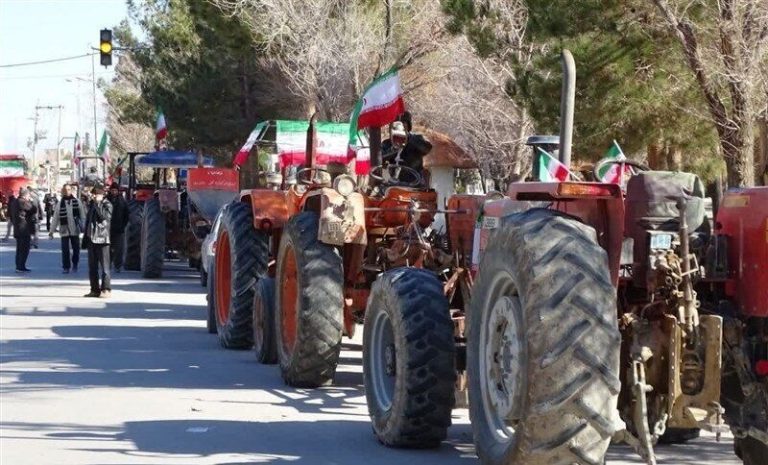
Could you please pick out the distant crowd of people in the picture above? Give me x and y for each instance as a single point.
(95, 222)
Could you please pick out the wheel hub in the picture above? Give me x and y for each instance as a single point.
(389, 360)
(503, 363)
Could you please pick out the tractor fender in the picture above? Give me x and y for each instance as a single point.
(270, 208)
(342, 219)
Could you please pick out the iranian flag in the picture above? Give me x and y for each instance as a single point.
(103, 149)
(242, 155)
(291, 140)
(381, 103)
(550, 168)
(161, 130)
(11, 168)
(78, 150)
(612, 173)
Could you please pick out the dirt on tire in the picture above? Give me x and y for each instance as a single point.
(152, 240)
(241, 259)
(132, 260)
(409, 358)
(544, 277)
(310, 359)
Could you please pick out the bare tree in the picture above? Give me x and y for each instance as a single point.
(725, 43)
(326, 50)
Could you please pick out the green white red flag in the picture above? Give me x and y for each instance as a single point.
(103, 149)
(614, 173)
(550, 168)
(11, 168)
(242, 155)
(381, 103)
(161, 129)
(291, 140)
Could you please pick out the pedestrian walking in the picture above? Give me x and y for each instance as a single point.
(49, 201)
(68, 219)
(120, 214)
(35, 199)
(13, 205)
(24, 224)
(96, 240)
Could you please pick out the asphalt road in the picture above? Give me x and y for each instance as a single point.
(137, 380)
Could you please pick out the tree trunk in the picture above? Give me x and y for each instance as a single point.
(737, 145)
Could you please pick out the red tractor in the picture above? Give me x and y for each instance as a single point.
(590, 317)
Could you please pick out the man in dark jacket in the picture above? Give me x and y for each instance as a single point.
(24, 224)
(50, 202)
(119, 223)
(96, 239)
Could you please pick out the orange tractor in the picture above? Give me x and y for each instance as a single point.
(590, 317)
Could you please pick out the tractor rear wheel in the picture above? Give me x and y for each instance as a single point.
(309, 304)
(210, 298)
(133, 235)
(241, 259)
(543, 344)
(409, 359)
(152, 240)
(264, 321)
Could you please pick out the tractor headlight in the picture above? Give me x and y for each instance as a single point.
(344, 184)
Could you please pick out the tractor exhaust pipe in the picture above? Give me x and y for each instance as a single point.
(567, 102)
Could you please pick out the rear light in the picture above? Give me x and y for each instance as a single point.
(761, 368)
(573, 189)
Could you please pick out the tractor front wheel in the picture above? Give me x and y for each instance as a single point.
(133, 235)
(409, 359)
(152, 240)
(264, 321)
(241, 259)
(543, 344)
(309, 304)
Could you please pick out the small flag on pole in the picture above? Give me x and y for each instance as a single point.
(550, 168)
(161, 129)
(614, 173)
(103, 149)
(381, 103)
(242, 155)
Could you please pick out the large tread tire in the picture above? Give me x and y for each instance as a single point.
(409, 359)
(152, 240)
(210, 298)
(679, 435)
(544, 276)
(133, 235)
(264, 321)
(241, 259)
(318, 305)
(751, 451)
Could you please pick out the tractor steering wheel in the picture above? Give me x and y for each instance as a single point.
(302, 176)
(390, 175)
(636, 166)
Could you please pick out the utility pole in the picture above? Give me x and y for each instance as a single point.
(34, 137)
(93, 81)
(58, 136)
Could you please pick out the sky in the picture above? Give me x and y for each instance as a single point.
(35, 30)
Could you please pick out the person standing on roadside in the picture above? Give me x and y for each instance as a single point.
(35, 199)
(24, 224)
(68, 219)
(120, 214)
(50, 202)
(13, 205)
(96, 240)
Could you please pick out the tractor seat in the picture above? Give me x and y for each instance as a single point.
(651, 201)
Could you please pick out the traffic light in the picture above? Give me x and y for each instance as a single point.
(105, 47)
